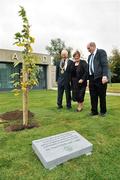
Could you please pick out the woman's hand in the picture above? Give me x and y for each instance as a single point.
(104, 79)
(80, 81)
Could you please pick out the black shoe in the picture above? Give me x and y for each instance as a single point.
(102, 114)
(59, 107)
(93, 114)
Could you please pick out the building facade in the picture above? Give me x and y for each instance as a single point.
(46, 69)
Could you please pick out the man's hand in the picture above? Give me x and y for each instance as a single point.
(80, 81)
(104, 79)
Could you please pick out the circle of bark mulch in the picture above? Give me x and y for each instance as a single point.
(20, 127)
(15, 115)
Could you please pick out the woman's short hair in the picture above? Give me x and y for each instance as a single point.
(76, 53)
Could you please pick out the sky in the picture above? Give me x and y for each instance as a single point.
(76, 22)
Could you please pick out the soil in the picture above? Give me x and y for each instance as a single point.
(20, 127)
(15, 115)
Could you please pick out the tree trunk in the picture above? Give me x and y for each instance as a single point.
(25, 107)
(25, 99)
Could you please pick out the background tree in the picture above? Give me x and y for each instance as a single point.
(114, 63)
(55, 48)
(29, 70)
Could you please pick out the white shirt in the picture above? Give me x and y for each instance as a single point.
(95, 51)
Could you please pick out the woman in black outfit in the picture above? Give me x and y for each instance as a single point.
(79, 73)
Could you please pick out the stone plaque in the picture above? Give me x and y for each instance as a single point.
(57, 149)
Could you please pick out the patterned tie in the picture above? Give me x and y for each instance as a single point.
(91, 65)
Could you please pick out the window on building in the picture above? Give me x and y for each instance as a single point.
(6, 69)
(42, 80)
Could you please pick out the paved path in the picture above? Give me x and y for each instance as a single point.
(108, 93)
(113, 94)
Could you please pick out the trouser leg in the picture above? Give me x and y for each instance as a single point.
(102, 95)
(60, 95)
(93, 96)
(68, 97)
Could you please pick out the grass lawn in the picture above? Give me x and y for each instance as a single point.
(114, 87)
(18, 161)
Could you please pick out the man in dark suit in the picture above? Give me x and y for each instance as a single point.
(63, 78)
(98, 78)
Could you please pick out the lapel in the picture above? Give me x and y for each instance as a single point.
(89, 58)
(80, 64)
(67, 65)
(95, 58)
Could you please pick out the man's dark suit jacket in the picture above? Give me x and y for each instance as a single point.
(65, 78)
(100, 64)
